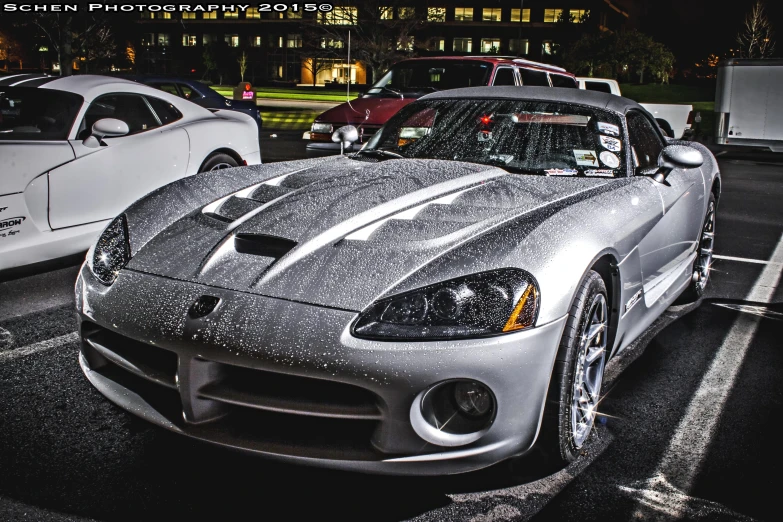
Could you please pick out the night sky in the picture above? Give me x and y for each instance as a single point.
(692, 29)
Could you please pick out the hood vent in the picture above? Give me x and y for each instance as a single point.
(263, 245)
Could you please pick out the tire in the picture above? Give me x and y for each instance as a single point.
(665, 127)
(577, 375)
(218, 161)
(701, 265)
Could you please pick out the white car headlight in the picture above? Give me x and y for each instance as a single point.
(322, 128)
(112, 251)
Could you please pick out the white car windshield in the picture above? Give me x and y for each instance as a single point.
(28, 113)
(546, 138)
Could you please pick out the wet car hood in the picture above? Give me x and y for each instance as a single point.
(380, 110)
(342, 232)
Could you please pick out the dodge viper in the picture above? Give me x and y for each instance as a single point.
(76, 151)
(444, 299)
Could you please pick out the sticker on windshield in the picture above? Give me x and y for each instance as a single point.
(608, 128)
(561, 172)
(601, 173)
(586, 157)
(610, 160)
(612, 144)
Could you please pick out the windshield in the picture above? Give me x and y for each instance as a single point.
(29, 113)
(546, 138)
(420, 77)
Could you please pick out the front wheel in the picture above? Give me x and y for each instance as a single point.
(700, 274)
(217, 162)
(575, 387)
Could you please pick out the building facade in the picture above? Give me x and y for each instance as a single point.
(291, 47)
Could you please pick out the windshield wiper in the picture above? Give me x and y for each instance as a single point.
(380, 153)
(395, 91)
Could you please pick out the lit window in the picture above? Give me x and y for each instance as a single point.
(294, 40)
(229, 15)
(490, 45)
(436, 14)
(147, 40)
(280, 41)
(163, 39)
(406, 13)
(405, 43)
(210, 15)
(387, 13)
(579, 15)
(339, 16)
(548, 47)
(188, 16)
(232, 40)
(165, 16)
(189, 40)
(331, 43)
(294, 14)
(463, 45)
(517, 46)
(525, 15)
(552, 15)
(255, 41)
(253, 13)
(437, 44)
(158, 16)
(463, 14)
(490, 14)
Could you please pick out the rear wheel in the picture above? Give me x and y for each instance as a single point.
(218, 161)
(575, 387)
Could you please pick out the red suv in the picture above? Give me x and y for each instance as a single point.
(410, 79)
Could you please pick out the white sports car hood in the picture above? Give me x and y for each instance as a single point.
(342, 232)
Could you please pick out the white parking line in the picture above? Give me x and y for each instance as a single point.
(685, 455)
(30, 349)
(745, 260)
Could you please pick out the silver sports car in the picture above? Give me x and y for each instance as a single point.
(439, 301)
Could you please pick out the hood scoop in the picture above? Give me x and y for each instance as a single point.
(263, 245)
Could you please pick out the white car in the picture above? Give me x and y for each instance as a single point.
(76, 151)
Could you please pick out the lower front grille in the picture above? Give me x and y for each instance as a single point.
(239, 406)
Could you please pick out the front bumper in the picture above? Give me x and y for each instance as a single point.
(288, 381)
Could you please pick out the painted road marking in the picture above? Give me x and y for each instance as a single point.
(30, 349)
(685, 455)
(745, 260)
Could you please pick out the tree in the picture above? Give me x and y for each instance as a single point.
(382, 31)
(755, 39)
(98, 46)
(10, 50)
(593, 54)
(72, 34)
(217, 57)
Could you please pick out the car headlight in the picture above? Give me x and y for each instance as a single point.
(112, 251)
(322, 128)
(478, 305)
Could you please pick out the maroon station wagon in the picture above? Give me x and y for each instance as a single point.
(410, 79)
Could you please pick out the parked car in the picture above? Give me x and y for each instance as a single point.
(674, 119)
(422, 306)
(75, 151)
(200, 94)
(411, 79)
(748, 103)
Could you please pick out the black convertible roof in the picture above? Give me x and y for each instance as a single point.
(599, 100)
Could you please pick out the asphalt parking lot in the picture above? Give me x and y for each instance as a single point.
(689, 428)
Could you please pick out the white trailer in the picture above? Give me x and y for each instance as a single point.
(749, 103)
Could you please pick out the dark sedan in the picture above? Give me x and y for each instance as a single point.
(200, 94)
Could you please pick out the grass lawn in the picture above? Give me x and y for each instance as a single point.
(702, 99)
(301, 93)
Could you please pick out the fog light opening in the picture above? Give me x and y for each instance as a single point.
(454, 413)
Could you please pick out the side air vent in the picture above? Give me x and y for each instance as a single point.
(262, 245)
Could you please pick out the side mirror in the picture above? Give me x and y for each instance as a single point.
(346, 136)
(677, 157)
(106, 128)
